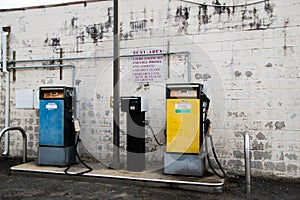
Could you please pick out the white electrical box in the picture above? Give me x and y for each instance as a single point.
(27, 98)
(24, 98)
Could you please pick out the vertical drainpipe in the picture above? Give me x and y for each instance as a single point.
(5, 71)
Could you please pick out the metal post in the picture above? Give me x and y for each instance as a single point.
(116, 88)
(247, 163)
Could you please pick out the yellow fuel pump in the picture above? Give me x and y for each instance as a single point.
(184, 129)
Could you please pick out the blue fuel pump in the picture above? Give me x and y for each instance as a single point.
(57, 134)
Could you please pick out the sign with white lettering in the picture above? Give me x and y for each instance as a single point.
(148, 66)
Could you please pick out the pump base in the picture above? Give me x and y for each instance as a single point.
(184, 164)
(57, 156)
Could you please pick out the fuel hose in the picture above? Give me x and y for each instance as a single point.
(206, 128)
(89, 169)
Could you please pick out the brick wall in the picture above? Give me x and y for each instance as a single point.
(250, 55)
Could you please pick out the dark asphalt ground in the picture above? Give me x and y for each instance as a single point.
(33, 186)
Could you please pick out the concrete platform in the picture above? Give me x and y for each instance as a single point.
(209, 183)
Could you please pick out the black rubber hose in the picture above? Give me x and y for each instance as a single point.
(147, 124)
(160, 144)
(206, 127)
(217, 160)
(89, 169)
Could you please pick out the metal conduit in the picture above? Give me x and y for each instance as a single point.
(247, 163)
(23, 135)
(97, 57)
(49, 66)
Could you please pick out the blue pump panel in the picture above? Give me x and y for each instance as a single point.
(52, 122)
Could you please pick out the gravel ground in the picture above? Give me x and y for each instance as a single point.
(16, 186)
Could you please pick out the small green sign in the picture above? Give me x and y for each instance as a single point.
(183, 111)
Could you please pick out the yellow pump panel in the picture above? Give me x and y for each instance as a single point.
(183, 125)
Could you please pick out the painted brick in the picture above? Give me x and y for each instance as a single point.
(253, 69)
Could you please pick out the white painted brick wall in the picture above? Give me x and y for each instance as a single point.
(253, 65)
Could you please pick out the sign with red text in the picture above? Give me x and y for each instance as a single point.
(148, 65)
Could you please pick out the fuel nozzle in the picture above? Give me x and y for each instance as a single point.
(76, 125)
(206, 126)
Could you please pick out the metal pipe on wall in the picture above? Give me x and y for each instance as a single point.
(7, 89)
(4, 51)
(110, 56)
(96, 57)
(49, 66)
